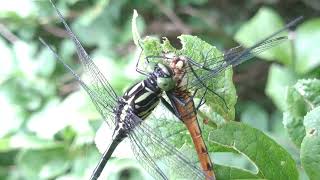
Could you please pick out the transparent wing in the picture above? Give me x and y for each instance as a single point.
(144, 158)
(209, 68)
(96, 85)
(153, 148)
(204, 72)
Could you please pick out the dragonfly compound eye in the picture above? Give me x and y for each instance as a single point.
(163, 71)
(166, 84)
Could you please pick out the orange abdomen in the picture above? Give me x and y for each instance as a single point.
(189, 118)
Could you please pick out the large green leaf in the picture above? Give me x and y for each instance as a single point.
(310, 146)
(272, 161)
(194, 48)
(293, 116)
(263, 24)
(43, 163)
(304, 95)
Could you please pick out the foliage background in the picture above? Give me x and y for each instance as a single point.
(47, 124)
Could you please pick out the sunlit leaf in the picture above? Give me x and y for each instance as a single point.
(306, 46)
(264, 23)
(279, 78)
(272, 161)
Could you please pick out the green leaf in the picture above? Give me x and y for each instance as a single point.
(254, 115)
(11, 115)
(279, 78)
(102, 26)
(29, 141)
(25, 8)
(135, 32)
(225, 172)
(304, 95)
(194, 48)
(310, 146)
(45, 63)
(306, 46)
(6, 64)
(263, 24)
(309, 89)
(272, 161)
(293, 116)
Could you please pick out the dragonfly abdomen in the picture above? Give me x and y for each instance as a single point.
(189, 117)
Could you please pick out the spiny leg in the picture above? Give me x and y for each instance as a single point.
(138, 62)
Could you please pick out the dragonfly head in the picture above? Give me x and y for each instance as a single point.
(164, 77)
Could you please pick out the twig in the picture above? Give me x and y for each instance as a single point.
(59, 32)
(210, 21)
(7, 34)
(173, 17)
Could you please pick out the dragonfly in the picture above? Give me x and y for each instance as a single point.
(193, 75)
(187, 79)
(126, 113)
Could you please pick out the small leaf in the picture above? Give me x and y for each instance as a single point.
(11, 116)
(135, 32)
(272, 161)
(279, 78)
(304, 95)
(293, 116)
(307, 46)
(43, 163)
(309, 89)
(263, 24)
(6, 62)
(310, 147)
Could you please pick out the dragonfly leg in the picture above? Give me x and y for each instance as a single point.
(175, 100)
(171, 108)
(138, 62)
(206, 58)
(207, 88)
(202, 100)
(137, 66)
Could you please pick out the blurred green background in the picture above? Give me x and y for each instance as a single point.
(48, 125)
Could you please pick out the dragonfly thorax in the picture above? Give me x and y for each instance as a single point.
(138, 101)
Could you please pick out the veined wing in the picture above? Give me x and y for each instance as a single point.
(204, 72)
(157, 154)
(209, 68)
(96, 85)
(107, 112)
